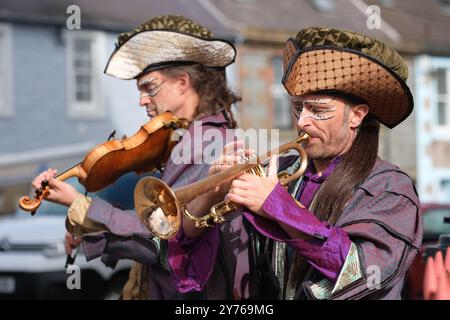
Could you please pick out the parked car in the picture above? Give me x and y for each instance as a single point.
(434, 226)
(32, 257)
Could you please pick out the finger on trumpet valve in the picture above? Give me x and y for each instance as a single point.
(242, 157)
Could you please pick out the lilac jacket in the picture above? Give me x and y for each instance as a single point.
(128, 238)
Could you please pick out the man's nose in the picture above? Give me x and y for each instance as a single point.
(144, 100)
(303, 122)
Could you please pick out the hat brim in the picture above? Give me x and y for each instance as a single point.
(157, 47)
(323, 68)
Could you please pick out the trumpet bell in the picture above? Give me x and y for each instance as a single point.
(157, 207)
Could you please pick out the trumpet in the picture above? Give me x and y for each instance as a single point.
(160, 208)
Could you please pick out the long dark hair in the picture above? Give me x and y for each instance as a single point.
(211, 87)
(351, 171)
(338, 188)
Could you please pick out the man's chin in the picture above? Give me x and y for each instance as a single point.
(152, 114)
(313, 152)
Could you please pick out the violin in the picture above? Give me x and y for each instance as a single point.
(146, 151)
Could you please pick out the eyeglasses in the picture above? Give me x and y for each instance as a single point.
(316, 108)
(148, 89)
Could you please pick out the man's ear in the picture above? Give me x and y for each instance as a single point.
(357, 114)
(184, 82)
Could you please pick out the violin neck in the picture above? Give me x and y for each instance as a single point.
(75, 171)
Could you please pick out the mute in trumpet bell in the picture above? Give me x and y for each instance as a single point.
(157, 207)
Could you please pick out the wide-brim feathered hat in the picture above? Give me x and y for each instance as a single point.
(322, 59)
(166, 41)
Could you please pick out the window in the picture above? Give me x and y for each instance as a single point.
(387, 3)
(433, 222)
(442, 77)
(85, 62)
(282, 118)
(445, 187)
(6, 106)
(445, 5)
(323, 5)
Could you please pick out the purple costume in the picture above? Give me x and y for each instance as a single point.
(380, 227)
(381, 223)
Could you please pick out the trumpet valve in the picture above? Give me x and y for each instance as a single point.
(219, 219)
(203, 224)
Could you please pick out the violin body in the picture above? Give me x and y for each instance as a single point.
(146, 151)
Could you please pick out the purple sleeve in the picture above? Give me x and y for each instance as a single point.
(128, 237)
(119, 222)
(192, 259)
(327, 250)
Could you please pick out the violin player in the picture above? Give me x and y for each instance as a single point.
(178, 67)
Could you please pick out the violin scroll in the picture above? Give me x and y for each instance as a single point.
(31, 205)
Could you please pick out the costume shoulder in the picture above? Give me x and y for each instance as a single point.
(386, 177)
(387, 198)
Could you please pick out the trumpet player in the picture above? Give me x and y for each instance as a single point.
(350, 227)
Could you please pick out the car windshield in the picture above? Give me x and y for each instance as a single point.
(434, 224)
(120, 194)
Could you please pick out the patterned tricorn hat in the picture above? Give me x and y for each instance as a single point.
(322, 59)
(165, 41)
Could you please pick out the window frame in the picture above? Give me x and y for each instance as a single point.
(95, 108)
(6, 72)
(442, 98)
(277, 91)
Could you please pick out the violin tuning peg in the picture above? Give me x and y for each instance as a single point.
(112, 135)
(168, 124)
(124, 137)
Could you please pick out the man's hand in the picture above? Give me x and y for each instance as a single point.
(251, 190)
(232, 154)
(60, 192)
(71, 242)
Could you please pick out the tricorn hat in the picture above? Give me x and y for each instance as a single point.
(322, 59)
(166, 41)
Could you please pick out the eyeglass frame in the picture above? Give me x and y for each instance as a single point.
(152, 92)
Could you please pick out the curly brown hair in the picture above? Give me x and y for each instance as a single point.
(211, 87)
